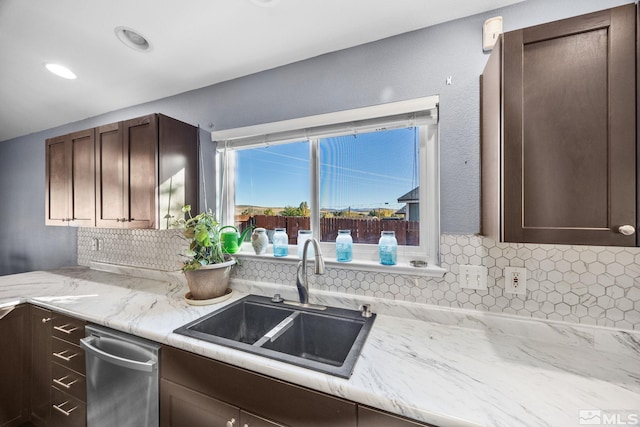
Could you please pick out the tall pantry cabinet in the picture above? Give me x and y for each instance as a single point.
(559, 132)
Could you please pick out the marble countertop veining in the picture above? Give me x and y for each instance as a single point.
(442, 366)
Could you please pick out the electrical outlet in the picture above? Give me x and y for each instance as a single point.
(515, 280)
(473, 277)
(96, 244)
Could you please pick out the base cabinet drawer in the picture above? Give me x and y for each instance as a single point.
(67, 411)
(69, 381)
(67, 328)
(68, 355)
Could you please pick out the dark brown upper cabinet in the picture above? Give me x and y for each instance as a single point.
(558, 114)
(126, 174)
(136, 173)
(146, 170)
(70, 171)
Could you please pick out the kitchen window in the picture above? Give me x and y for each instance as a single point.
(366, 170)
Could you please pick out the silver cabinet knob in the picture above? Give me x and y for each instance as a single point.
(627, 230)
(46, 319)
(231, 422)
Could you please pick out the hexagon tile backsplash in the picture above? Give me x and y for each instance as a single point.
(579, 284)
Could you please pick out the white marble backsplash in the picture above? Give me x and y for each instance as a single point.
(585, 285)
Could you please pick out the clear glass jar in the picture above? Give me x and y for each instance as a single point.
(280, 242)
(303, 236)
(344, 246)
(388, 248)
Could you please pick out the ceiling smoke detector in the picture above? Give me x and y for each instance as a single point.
(265, 3)
(133, 39)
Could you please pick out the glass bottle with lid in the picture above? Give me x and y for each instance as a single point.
(344, 246)
(303, 236)
(280, 242)
(388, 248)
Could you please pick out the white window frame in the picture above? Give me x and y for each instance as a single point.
(421, 112)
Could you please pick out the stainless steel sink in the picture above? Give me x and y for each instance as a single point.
(328, 341)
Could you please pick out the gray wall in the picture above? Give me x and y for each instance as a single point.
(407, 66)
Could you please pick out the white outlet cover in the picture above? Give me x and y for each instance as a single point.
(513, 286)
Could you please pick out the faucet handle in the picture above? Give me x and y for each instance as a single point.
(365, 310)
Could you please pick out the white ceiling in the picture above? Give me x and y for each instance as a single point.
(195, 43)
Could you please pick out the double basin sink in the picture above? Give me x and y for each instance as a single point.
(327, 340)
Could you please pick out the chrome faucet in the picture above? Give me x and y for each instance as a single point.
(302, 282)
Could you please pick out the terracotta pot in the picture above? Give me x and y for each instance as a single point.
(209, 281)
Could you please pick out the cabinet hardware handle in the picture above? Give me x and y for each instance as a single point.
(62, 356)
(627, 230)
(66, 413)
(63, 219)
(46, 319)
(231, 422)
(61, 328)
(60, 382)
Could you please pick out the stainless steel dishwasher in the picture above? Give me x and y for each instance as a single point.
(122, 379)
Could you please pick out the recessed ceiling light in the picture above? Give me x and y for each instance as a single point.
(61, 71)
(133, 39)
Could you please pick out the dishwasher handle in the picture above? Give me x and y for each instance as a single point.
(87, 344)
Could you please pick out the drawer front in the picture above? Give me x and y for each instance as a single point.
(68, 328)
(68, 381)
(68, 355)
(66, 411)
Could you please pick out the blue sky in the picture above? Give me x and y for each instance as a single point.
(364, 171)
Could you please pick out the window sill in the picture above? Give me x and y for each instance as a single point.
(403, 267)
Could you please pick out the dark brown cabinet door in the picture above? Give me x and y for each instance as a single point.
(41, 321)
(568, 130)
(368, 417)
(70, 188)
(82, 197)
(140, 171)
(110, 161)
(250, 420)
(58, 177)
(183, 407)
(14, 367)
(267, 399)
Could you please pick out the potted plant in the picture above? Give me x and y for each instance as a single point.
(207, 268)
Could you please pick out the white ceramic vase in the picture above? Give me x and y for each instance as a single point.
(259, 241)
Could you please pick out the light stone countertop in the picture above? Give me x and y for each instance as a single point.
(447, 367)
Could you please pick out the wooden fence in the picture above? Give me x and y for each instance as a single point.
(362, 230)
